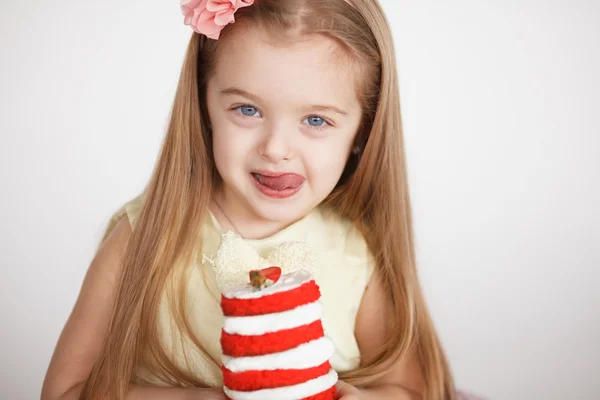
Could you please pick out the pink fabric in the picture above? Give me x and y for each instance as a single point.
(209, 17)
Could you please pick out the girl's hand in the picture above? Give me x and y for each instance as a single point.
(346, 391)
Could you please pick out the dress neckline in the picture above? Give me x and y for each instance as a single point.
(295, 231)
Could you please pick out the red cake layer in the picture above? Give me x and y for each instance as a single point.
(256, 380)
(278, 302)
(329, 394)
(274, 342)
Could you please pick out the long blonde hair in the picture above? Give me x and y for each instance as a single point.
(373, 193)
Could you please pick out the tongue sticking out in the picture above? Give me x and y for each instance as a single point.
(286, 181)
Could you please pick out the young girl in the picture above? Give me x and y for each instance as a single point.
(285, 129)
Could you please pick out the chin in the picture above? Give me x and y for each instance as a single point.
(287, 210)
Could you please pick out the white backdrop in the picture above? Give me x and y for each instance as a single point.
(501, 103)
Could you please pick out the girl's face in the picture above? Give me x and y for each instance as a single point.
(274, 110)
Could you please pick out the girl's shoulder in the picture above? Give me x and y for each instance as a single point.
(131, 209)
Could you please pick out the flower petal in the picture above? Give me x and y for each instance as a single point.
(216, 6)
(243, 3)
(188, 6)
(209, 17)
(224, 18)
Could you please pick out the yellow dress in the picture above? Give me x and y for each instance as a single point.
(342, 268)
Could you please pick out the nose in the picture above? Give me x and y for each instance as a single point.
(276, 146)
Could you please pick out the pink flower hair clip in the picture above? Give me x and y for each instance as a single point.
(209, 17)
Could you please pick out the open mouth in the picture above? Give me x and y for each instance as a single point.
(279, 181)
(278, 185)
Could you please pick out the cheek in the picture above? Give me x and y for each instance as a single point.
(222, 143)
(229, 140)
(225, 152)
(325, 165)
(231, 149)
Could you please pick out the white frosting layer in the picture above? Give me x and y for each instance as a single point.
(261, 324)
(307, 355)
(285, 283)
(294, 392)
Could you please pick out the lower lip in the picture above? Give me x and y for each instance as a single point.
(277, 194)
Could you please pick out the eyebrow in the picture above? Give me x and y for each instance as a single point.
(233, 91)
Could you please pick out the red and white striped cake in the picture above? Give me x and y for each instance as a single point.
(274, 347)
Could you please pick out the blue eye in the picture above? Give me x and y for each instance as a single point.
(316, 122)
(247, 111)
